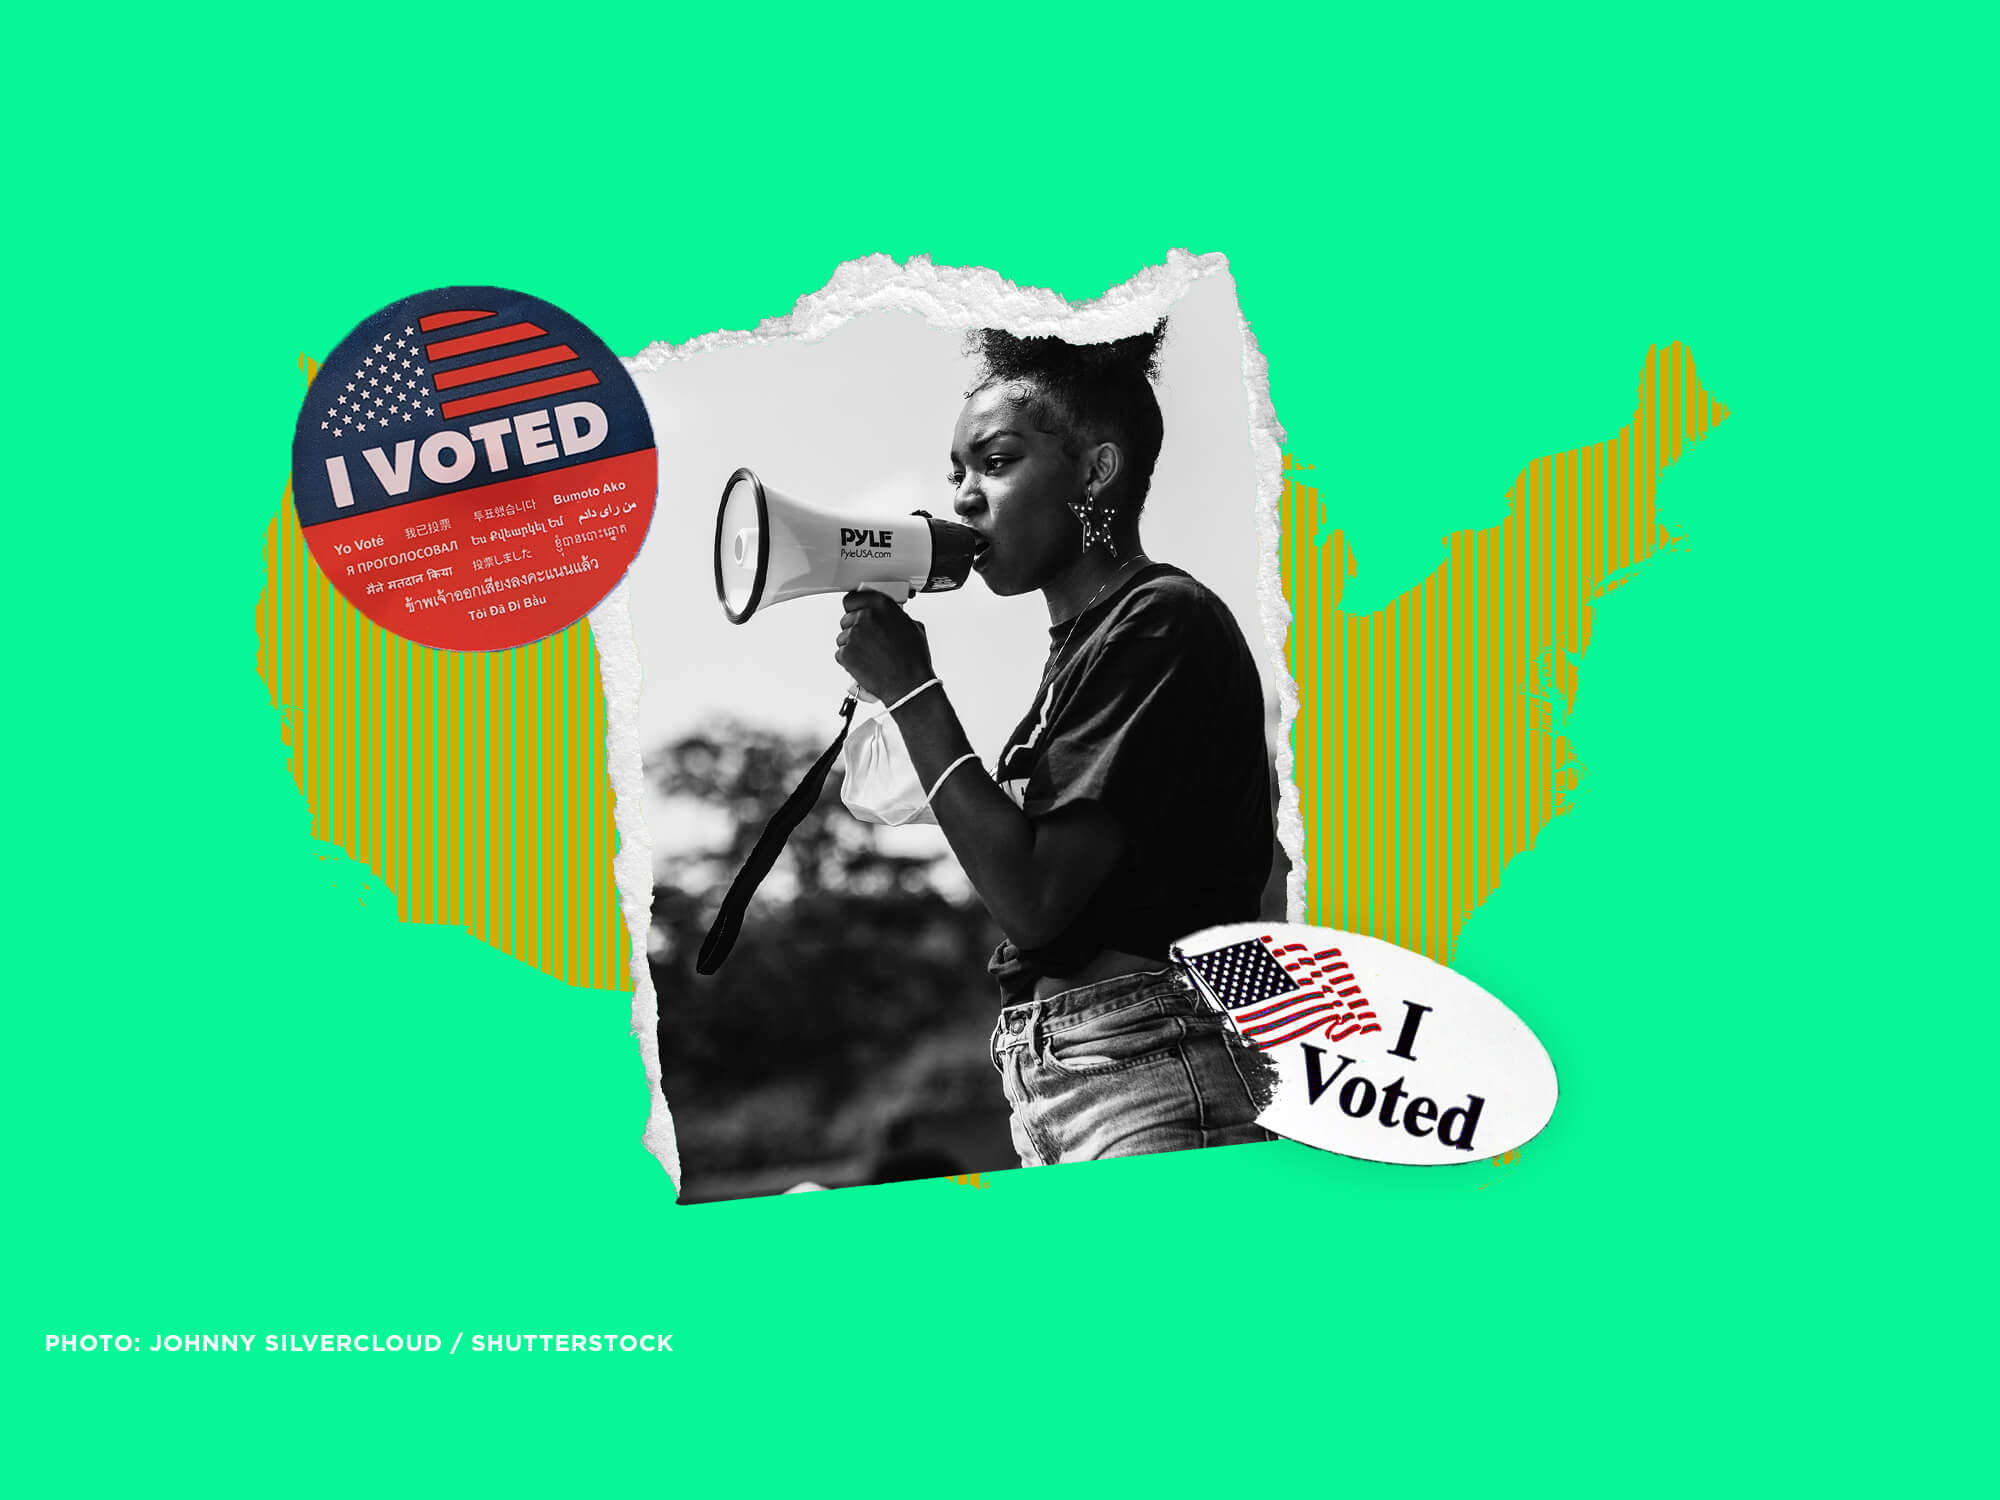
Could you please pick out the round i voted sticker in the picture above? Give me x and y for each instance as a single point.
(1380, 1053)
(473, 468)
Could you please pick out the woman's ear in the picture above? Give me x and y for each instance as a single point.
(1103, 464)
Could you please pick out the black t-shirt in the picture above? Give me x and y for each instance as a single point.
(1153, 710)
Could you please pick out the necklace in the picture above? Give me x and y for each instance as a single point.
(1055, 660)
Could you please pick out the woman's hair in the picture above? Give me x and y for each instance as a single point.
(1080, 391)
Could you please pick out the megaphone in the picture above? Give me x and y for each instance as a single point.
(770, 547)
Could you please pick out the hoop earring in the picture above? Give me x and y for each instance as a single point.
(1096, 522)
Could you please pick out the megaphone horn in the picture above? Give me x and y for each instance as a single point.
(770, 547)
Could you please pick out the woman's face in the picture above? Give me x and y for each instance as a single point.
(1013, 484)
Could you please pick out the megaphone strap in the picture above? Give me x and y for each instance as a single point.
(729, 920)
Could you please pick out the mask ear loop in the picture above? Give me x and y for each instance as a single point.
(928, 682)
(945, 775)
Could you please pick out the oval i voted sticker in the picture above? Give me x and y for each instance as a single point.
(473, 468)
(1380, 1053)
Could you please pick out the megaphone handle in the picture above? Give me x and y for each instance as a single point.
(899, 591)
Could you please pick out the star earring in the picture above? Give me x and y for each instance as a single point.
(1096, 522)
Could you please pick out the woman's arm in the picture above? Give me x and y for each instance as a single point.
(1034, 874)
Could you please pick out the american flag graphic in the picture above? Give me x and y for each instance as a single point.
(1277, 992)
(412, 370)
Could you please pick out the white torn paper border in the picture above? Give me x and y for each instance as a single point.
(944, 298)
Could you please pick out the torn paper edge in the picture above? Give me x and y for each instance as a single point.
(954, 298)
(632, 866)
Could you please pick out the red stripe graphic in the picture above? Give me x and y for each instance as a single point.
(1283, 1002)
(533, 360)
(1290, 1036)
(1293, 1020)
(1346, 1028)
(434, 321)
(513, 333)
(1341, 1036)
(514, 393)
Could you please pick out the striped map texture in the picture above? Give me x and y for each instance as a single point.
(1428, 747)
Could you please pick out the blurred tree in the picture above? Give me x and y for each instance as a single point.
(848, 955)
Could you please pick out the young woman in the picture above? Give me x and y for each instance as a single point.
(1132, 805)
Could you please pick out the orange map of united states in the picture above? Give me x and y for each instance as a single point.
(1427, 749)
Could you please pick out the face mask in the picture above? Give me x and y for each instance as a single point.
(880, 784)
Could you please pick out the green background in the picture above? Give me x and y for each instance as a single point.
(242, 1097)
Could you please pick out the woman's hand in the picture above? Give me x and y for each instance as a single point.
(1034, 874)
(882, 648)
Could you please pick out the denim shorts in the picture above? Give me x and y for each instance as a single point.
(1125, 1067)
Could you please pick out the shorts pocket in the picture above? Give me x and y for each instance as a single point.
(1131, 1037)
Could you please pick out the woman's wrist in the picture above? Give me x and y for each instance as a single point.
(923, 687)
(929, 727)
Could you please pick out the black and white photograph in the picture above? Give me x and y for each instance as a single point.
(960, 689)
